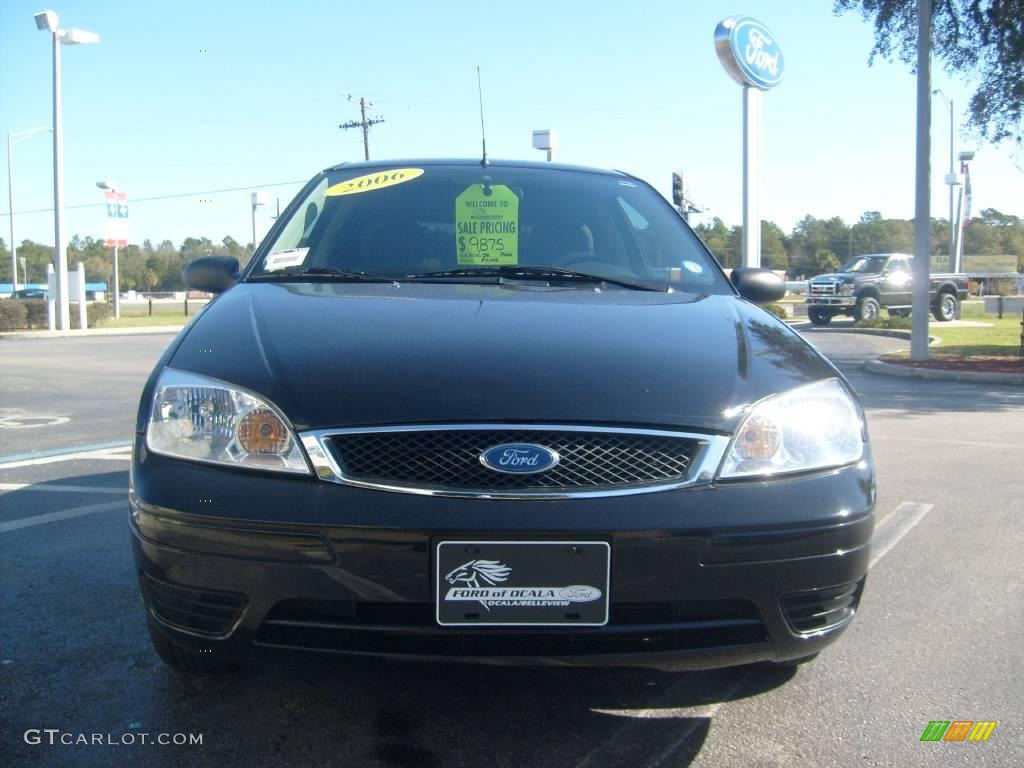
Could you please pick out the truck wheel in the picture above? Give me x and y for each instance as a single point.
(945, 308)
(867, 308)
(819, 316)
(178, 656)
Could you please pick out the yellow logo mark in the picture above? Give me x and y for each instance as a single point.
(982, 730)
(373, 181)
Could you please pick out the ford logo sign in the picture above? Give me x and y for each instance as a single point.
(749, 52)
(519, 458)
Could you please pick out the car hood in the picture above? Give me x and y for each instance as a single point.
(341, 355)
(840, 277)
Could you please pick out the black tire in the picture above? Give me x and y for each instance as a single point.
(946, 307)
(819, 316)
(179, 657)
(868, 308)
(899, 313)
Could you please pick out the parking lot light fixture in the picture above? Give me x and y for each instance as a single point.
(12, 139)
(47, 21)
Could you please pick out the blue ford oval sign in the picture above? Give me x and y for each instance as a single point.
(749, 52)
(519, 458)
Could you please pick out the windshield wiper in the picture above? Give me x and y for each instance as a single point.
(521, 272)
(321, 273)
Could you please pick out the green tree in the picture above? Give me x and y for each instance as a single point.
(981, 40)
(715, 235)
(825, 261)
(5, 263)
(773, 246)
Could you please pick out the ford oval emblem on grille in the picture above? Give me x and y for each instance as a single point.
(519, 458)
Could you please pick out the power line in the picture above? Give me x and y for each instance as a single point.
(363, 123)
(164, 197)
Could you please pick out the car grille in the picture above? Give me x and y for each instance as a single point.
(824, 288)
(450, 459)
(821, 609)
(201, 611)
(410, 628)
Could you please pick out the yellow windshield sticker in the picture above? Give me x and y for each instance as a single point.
(487, 226)
(372, 181)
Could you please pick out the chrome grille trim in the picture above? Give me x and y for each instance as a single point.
(703, 466)
(824, 288)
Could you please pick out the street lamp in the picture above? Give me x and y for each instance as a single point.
(952, 180)
(109, 186)
(46, 21)
(260, 197)
(546, 141)
(12, 139)
(964, 158)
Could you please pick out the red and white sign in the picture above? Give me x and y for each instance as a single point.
(117, 219)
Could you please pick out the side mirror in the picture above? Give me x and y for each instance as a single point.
(761, 286)
(214, 274)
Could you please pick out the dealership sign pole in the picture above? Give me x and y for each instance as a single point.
(117, 234)
(752, 57)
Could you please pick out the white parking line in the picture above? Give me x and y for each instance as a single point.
(50, 517)
(60, 488)
(105, 454)
(895, 526)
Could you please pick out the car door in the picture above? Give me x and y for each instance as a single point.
(895, 287)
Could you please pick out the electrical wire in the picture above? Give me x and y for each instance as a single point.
(135, 200)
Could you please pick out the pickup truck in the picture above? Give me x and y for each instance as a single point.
(865, 285)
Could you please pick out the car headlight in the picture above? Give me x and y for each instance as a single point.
(811, 427)
(846, 289)
(202, 419)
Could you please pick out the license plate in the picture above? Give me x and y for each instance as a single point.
(522, 583)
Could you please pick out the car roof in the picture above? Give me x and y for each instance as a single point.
(468, 162)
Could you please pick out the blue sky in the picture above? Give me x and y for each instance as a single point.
(635, 86)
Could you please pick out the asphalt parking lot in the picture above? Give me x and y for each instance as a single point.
(939, 634)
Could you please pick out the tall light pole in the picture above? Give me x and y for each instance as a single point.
(259, 197)
(952, 180)
(109, 186)
(12, 139)
(47, 21)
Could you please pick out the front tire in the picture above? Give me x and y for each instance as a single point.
(819, 316)
(867, 308)
(946, 308)
(179, 657)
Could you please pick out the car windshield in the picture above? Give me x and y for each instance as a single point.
(868, 264)
(402, 222)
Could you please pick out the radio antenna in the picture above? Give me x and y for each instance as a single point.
(483, 132)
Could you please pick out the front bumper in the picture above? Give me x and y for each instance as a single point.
(233, 562)
(831, 301)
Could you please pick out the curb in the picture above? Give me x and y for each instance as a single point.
(91, 332)
(943, 374)
(892, 333)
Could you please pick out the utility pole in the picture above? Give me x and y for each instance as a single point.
(364, 123)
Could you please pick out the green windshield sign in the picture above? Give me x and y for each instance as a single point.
(487, 226)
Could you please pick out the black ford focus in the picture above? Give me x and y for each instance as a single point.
(510, 412)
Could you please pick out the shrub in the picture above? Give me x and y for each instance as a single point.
(777, 309)
(12, 314)
(95, 313)
(36, 309)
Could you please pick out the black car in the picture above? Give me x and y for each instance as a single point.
(29, 293)
(508, 412)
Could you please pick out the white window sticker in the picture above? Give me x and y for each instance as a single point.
(283, 259)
